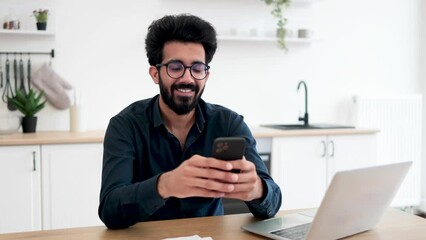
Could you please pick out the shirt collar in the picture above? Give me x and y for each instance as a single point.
(157, 120)
(199, 118)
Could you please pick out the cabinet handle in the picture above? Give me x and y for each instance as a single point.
(332, 151)
(34, 161)
(324, 152)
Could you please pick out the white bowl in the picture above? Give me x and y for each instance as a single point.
(9, 124)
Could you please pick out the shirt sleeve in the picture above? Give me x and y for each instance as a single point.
(268, 205)
(123, 203)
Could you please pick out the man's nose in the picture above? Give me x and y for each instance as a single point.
(187, 77)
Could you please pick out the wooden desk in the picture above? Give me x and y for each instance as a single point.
(395, 225)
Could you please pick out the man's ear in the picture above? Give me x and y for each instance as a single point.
(153, 71)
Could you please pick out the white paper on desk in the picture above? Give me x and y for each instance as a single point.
(195, 237)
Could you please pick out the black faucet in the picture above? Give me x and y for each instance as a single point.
(305, 119)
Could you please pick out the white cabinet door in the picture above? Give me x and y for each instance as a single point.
(71, 185)
(350, 151)
(299, 167)
(20, 192)
(304, 166)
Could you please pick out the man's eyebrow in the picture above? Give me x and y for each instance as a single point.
(178, 60)
(198, 61)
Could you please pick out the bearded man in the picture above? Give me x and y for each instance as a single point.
(157, 160)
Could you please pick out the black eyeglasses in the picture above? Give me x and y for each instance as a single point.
(176, 69)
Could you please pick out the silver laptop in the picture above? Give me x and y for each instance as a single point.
(355, 201)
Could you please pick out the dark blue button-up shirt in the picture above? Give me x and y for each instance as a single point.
(138, 149)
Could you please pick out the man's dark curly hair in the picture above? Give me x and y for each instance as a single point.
(182, 28)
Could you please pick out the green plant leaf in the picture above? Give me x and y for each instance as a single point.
(28, 104)
(38, 98)
(41, 15)
(20, 96)
(277, 12)
(17, 104)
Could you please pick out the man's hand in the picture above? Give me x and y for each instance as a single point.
(249, 185)
(209, 177)
(199, 177)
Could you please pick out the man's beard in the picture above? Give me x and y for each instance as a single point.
(180, 105)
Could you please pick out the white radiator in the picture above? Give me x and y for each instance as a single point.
(399, 119)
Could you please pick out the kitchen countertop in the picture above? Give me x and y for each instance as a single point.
(52, 137)
(264, 132)
(97, 136)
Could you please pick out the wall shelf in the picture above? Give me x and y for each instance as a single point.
(263, 39)
(21, 32)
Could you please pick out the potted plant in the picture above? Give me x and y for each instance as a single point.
(41, 17)
(277, 12)
(28, 104)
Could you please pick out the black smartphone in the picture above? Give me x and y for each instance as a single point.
(229, 148)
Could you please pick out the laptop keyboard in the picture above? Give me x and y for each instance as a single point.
(294, 233)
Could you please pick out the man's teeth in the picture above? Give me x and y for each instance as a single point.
(185, 90)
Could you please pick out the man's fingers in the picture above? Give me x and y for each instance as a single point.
(243, 165)
(203, 162)
(215, 185)
(200, 192)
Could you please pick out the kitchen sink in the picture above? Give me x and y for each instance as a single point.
(305, 118)
(302, 126)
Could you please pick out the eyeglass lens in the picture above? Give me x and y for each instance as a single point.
(177, 70)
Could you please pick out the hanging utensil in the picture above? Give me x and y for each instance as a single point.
(22, 76)
(15, 72)
(8, 91)
(7, 84)
(29, 72)
(1, 73)
(10, 106)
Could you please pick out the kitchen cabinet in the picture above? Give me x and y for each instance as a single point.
(303, 166)
(71, 184)
(20, 184)
(49, 186)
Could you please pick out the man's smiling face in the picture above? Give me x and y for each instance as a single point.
(182, 94)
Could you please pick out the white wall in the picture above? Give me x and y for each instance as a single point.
(367, 47)
(422, 70)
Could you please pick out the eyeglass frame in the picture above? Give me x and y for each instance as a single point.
(206, 68)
